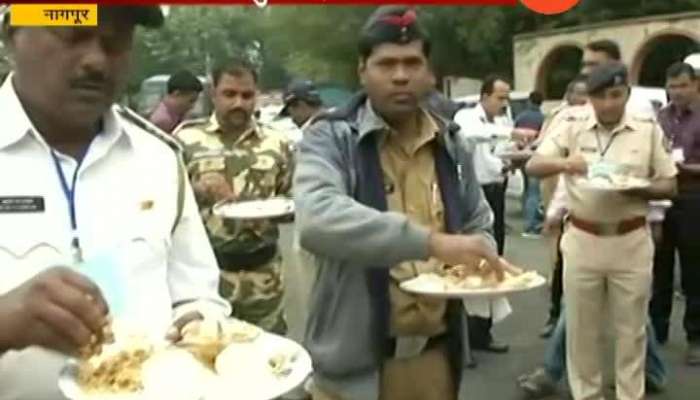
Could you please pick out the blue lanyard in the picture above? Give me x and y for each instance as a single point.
(69, 193)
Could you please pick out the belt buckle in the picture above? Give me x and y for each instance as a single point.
(608, 229)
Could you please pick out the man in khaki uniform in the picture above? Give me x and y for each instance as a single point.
(607, 245)
(229, 155)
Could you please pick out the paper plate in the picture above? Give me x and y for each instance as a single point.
(255, 209)
(243, 370)
(433, 285)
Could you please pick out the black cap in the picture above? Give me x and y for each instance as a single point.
(390, 24)
(606, 76)
(148, 16)
(300, 90)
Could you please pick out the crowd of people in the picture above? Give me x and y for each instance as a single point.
(397, 182)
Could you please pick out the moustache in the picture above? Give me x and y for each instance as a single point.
(93, 81)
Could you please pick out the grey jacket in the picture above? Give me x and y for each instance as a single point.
(345, 237)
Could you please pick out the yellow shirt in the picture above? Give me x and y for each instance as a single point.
(412, 188)
(636, 143)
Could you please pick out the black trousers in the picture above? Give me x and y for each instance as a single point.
(681, 232)
(495, 193)
(557, 289)
(496, 197)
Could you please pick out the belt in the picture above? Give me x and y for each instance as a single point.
(608, 229)
(234, 262)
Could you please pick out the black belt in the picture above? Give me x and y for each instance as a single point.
(233, 262)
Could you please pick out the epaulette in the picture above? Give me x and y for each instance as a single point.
(140, 122)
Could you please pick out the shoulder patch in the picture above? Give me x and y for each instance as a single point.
(146, 126)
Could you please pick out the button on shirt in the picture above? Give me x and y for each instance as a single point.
(411, 185)
(485, 138)
(125, 202)
(637, 143)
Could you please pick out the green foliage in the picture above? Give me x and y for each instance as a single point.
(319, 42)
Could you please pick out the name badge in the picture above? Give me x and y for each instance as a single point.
(21, 204)
(677, 155)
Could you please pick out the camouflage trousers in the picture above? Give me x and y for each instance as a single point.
(256, 295)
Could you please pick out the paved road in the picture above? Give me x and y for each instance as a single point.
(494, 377)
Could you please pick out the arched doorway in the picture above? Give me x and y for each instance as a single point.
(557, 69)
(657, 54)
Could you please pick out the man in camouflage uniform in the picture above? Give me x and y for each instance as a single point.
(230, 155)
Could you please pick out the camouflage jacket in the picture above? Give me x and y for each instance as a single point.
(257, 165)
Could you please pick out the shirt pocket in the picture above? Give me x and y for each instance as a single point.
(635, 161)
(261, 176)
(26, 252)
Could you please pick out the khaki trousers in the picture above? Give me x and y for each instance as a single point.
(601, 274)
(425, 377)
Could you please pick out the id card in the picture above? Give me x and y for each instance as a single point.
(677, 155)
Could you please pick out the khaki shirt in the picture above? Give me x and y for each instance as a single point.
(258, 165)
(637, 142)
(412, 188)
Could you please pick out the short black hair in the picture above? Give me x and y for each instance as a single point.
(489, 82)
(377, 31)
(678, 69)
(236, 67)
(606, 46)
(184, 81)
(536, 98)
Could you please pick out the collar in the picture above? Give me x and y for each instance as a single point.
(627, 123)
(214, 128)
(17, 125)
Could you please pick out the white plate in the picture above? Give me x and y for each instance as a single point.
(255, 209)
(243, 372)
(434, 286)
(603, 186)
(516, 155)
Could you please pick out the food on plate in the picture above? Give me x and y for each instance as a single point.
(117, 369)
(479, 275)
(281, 363)
(206, 339)
(617, 181)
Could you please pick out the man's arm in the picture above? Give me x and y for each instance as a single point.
(193, 274)
(332, 224)
(477, 131)
(689, 169)
(551, 156)
(663, 171)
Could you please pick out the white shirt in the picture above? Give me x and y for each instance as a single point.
(126, 199)
(483, 137)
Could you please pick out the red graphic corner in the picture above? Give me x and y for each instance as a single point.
(550, 6)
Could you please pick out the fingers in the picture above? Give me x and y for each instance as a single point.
(87, 287)
(65, 327)
(174, 333)
(82, 305)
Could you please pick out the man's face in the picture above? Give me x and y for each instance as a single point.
(72, 73)
(300, 111)
(593, 59)
(682, 90)
(496, 102)
(609, 105)
(234, 99)
(396, 78)
(183, 102)
(578, 95)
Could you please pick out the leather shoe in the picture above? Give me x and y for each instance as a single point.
(492, 347)
(692, 357)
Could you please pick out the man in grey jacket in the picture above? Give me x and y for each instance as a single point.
(385, 190)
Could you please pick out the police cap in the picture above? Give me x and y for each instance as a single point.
(606, 76)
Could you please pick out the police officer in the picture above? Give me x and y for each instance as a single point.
(607, 245)
(385, 189)
(302, 102)
(84, 180)
(230, 155)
